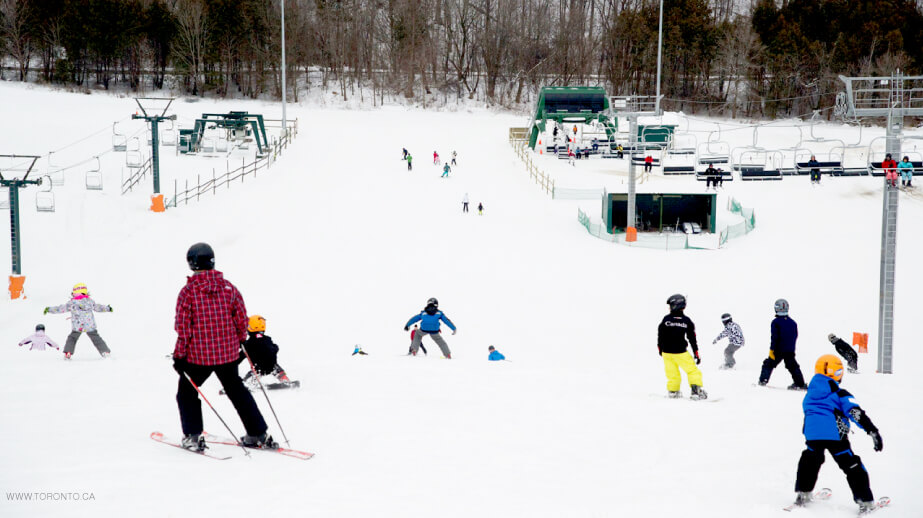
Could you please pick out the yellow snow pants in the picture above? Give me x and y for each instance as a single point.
(672, 363)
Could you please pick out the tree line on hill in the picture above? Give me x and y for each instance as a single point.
(756, 58)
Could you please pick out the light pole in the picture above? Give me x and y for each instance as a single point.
(659, 50)
(284, 119)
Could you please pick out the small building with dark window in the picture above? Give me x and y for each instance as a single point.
(659, 212)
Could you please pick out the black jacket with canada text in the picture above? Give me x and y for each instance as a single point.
(673, 332)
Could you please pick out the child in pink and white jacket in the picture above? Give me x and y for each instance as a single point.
(38, 341)
(81, 308)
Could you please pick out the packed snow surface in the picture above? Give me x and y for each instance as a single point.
(338, 244)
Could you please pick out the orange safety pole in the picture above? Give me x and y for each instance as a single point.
(17, 283)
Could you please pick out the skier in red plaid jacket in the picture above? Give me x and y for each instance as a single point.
(211, 322)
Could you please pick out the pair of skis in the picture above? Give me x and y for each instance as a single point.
(214, 439)
(825, 494)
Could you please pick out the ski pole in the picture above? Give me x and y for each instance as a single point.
(216, 413)
(257, 376)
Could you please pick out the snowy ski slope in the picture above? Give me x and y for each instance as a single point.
(338, 244)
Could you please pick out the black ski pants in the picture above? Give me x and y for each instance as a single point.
(789, 358)
(813, 457)
(190, 407)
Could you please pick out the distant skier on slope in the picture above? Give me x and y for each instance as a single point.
(674, 330)
(429, 320)
(783, 335)
(445, 171)
(409, 162)
(828, 409)
(435, 158)
(494, 355)
(81, 308)
(735, 337)
(38, 341)
(263, 352)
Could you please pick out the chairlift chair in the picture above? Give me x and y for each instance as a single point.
(119, 141)
(55, 173)
(44, 198)
(94, 177)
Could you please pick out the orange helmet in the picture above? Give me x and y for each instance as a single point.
(830, 366)
(79, 289)
(256, 324)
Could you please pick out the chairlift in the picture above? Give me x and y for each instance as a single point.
(168, 135)
(94, 177)
(207, 145)
(133, 157)
(680, 157)
(119, 141)
(55, 173)
(756, 163)
(44, 198)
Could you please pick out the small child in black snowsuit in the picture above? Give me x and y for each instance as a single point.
(262, 351)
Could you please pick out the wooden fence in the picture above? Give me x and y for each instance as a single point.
(211, 184)
(519, 143)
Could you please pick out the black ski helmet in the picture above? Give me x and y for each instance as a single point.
(725, 318)
(200, 257)
(432, 302)
(781, 307)
(676, 302)
(40, 327)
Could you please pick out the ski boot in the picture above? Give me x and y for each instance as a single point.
(193, 442)
(698, 392)
(866, 507)
(263, 441)
(104, 355)
(67, 356)
(281, 376)
(762, 383)
(795, 386)
(251, 381)
(725, 367)
(803, 498)
(674, 394)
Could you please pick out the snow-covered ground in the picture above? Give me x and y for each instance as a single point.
(338, 244)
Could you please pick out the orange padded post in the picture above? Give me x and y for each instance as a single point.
(862, 341)
(157, 203)
(16, 286)
(631, 234)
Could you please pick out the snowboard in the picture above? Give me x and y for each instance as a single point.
(270, 386)
(823, 493)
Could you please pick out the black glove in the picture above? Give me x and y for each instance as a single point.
(697, 359)
(180, 365)
(406, 328)
(876, 440)
(110, 308)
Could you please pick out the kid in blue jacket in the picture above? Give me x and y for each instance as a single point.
(429, 320)
(495, 355)
(828, 409)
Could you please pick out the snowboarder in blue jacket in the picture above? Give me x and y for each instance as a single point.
(828, 409)
(429, 320)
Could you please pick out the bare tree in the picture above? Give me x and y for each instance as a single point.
(14, 29)
(191, 39)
